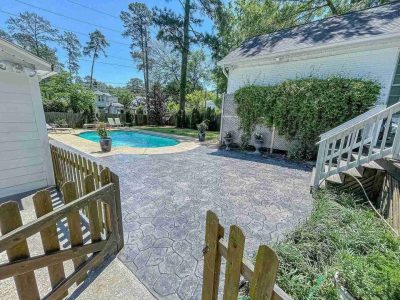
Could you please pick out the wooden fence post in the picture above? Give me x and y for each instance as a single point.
(105, 179)
(10, 219)
(49, 236)
(117, 201)
(94, 223)
(74, 224)
(264, 276)
(233, 263)
(212, 259)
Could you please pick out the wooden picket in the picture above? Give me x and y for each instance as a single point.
(14, 238)
(261, 277)
(86, 188)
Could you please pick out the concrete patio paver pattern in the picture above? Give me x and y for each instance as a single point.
(165, 199)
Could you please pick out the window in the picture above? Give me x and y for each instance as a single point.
(394, 94)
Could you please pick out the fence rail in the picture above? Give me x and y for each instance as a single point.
(87, 189)
(261, 276)
(73, 120)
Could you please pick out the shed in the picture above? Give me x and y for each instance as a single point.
(25, 161)
(362, 44)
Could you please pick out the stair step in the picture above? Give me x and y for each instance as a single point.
(337, 178)
(374, 164)
(356, 172)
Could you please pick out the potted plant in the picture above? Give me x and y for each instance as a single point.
(105, 140)
(228, 140)
(202, 127)
(258, 141)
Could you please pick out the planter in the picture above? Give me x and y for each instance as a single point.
(105, 144)
(202, 136)
(228, 142)
(258, 145)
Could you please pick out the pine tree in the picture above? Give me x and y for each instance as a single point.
(137, 21)
(95, 46)
(71, 44)
(33, 32)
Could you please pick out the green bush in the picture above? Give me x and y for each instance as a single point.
(302, 109)
(342, 236)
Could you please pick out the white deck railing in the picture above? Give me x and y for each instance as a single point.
(374, 137)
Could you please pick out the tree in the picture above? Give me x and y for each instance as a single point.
(176, 29)
(58, 92)
(5, 35)
(135, 85)
(71, 44)
(158, 104)
(95, 47)
(137, 21)
(33, 32)
(125, 97)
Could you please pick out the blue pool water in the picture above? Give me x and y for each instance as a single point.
(132, 139)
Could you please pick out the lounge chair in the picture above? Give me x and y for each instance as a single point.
(118, 122)
(111, 122)
(90, 125)
(51, 128)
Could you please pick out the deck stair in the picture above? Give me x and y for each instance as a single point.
(358, 146)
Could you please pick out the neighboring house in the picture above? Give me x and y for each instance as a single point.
(363, 44)
(139, 101)
(210, 104)
(106, 103)
(25, 161)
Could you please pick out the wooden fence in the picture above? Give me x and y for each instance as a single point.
(74, 120)
(85, 191)
(261, 276)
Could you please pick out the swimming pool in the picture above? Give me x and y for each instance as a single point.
(135, 139)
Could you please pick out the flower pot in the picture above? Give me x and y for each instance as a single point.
(258, 145)
(202, 136)
(228, 142)
(105, 144)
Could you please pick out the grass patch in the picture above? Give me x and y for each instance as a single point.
(343, 236)
(210, 135)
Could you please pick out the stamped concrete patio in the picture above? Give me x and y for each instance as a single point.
(165, 199)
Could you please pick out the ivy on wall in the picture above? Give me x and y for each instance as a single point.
(302, 109)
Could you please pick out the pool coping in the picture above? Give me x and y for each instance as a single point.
(93, 148)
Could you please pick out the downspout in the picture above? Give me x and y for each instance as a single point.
(225, 70)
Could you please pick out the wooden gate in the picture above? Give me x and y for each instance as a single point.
(261, 276)
(87, 194)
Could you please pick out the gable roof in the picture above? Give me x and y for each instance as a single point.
(18, 54)
(356, 26)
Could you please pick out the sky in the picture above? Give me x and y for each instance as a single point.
(83, 17)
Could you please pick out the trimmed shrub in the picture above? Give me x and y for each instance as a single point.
(303, 109)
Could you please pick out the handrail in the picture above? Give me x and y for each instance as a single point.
(364, 121)
(336, 151)
(354, 121)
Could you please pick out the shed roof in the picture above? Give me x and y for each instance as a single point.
(15, 54)
(354, 26)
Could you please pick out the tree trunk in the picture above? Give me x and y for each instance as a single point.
(146, 72)
(332, 7)
(185, 53)
(91, 72)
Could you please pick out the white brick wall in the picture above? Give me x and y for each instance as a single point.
(375, 64)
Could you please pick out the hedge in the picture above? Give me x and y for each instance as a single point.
(303, 109)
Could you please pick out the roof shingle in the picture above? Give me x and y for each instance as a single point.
(362, 24)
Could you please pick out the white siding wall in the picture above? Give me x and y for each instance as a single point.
(376, 64)
(24, 149)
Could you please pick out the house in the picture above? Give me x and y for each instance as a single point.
(106, 103)
(25, 161)
(139, 102)
(359, 44)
